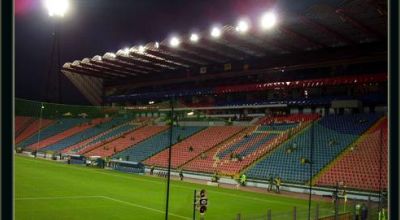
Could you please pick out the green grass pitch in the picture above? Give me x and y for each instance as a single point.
(51, 190)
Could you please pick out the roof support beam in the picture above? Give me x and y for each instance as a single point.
(182, 54)
(122, 70)
(327, 30)
(354, 22)
(127, 65)
(302, 37)
(205, 52)
(173, 58)
(87, 73)
(155, 60)
(134, 61)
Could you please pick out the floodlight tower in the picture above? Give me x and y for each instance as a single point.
(56, 10)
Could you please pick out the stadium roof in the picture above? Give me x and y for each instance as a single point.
(349, 26)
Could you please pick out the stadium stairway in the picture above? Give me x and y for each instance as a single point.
(86, 134)
(64, 134)
(253, 152)
(157, 143)
(343, 130)
(207, 165)
(200, 142)
(358, 166)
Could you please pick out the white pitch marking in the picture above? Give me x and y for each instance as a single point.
(58, 197)
(157, 182)
(144, 207)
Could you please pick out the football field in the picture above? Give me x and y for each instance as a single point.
(51, 190)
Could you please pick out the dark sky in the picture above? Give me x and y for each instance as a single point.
(93, 27)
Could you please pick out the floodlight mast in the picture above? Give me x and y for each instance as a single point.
(57, 10)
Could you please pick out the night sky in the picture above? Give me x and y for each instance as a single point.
(93, 27)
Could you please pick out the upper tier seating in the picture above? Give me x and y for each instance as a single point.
(129, 140)
(277, 127)
(285, 120)
(55, 128)
(359, 168)
(157, 143)
(88, 133)
(62, 135)
(32, 128)
(199, 143)
(332, 134)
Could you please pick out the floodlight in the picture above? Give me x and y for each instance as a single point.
(141, 49)
(157, 45)
(190, 113)
(215, 32)
(268, 20)
(242, 26)
(151, 102)
(194, 37)
(175, 41)
(57, 7)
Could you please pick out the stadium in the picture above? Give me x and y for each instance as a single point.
(281, 115)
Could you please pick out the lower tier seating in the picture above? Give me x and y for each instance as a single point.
(126, 141)
(157, 143)
(331, 135)
(363, 166)
(193, 146)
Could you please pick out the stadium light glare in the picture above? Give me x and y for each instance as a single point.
(57, 7)
(175, 41)
(268, 20)
(242, 26)
(190, 113)
(151, 102)
(126, 50)
(156, 45)
(112, 55)
(194, 37)
(216, 32)
(142, 49)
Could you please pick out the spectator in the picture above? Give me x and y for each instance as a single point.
(190, 149)
(203, 156)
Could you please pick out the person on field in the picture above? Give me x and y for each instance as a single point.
(358, 212)
(382, 214)
(271, 183)
(152, 170)
(278, 184)
(181, 174)
(243, 179)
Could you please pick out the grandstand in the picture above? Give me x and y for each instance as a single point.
(306, 102)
